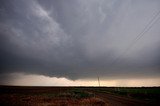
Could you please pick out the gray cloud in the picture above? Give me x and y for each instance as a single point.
(79, 39)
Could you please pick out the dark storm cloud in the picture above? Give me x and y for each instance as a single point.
(79, 39)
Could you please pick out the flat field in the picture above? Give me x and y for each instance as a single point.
(79, 96)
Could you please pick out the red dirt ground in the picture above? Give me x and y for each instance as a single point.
(47, 96)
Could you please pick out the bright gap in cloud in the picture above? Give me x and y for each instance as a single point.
(22, 79)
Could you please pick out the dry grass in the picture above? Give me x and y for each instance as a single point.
(41, 100)
(93, 102)
(47, 96)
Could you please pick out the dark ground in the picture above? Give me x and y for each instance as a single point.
(79, 96)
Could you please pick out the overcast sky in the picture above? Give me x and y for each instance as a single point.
(80, 39)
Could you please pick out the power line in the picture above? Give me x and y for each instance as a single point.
(140, 35)
(147, 28)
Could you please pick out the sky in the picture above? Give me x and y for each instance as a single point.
(72, 42)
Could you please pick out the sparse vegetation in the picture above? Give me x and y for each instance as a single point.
(144, 93)
(39, 96)
(76, 96)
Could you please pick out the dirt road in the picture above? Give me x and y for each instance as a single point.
(114, 100)
(70, 96)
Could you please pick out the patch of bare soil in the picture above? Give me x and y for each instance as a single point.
(28, 100)
(114, 100)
